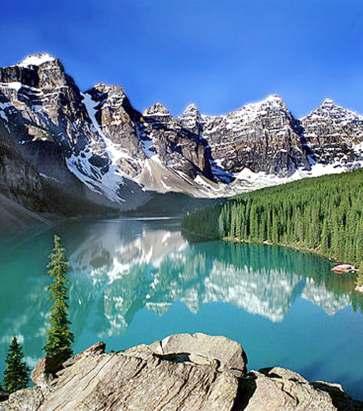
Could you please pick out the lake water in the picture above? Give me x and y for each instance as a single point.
(135, 281)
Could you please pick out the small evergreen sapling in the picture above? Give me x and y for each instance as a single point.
(16, 375)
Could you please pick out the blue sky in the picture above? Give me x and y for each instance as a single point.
(219, 54)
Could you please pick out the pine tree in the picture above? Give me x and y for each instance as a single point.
(322, 214)
(58, 347)
(16, 371)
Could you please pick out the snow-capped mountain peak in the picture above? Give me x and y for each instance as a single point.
(327, 102)
(329, 107)
(157, 110)
(190, 108)
(121, 154)
(36, 59)
(272, 101)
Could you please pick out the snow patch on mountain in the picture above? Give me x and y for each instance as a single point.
(114, 152)
(328, 107)
(3, 108)
(36, 59)
(247, 180)
(14, 85)
(107, 182)
(359, 148)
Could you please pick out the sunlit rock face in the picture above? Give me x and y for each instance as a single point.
(182, 371)
(263, 137)
(334, 133)
(96, 136)
(97, 145)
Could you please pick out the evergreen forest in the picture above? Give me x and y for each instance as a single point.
(323, 215)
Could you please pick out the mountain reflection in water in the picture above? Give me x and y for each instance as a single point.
(136, 281)
(126, 271)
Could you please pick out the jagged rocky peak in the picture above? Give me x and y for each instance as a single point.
(113, 112)
(46, 104)
(264, 107)
(191, 119)
(158, 111)
(261, 136)
(101, 92)
(115, 150)
(117, 123)
(329, 108)
(40, 71)
(190, 110)
(272, 100)
(111, 104)
(334, 132)
(36, 59)
(327, 103)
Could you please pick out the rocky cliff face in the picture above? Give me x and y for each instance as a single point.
(263, 137)
(19, 181)
(21, 187)
(99, 141)
(333, 134)
(181, 372)
(43, 111)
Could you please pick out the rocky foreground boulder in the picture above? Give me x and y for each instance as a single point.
(181, 372)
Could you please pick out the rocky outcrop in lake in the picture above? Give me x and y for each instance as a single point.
(182, 372)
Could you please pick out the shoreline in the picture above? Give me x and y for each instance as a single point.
(357, 288)
(332, 260)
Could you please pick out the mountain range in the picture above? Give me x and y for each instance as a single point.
(66, 150)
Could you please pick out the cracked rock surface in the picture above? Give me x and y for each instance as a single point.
(182, 372)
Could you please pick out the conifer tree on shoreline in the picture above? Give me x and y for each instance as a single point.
(58, 347)
(16, 374)
(322, 214)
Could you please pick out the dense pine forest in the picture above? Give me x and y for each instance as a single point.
(323, 214)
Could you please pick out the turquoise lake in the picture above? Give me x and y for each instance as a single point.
(136, 281)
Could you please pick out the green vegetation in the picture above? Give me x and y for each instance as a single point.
(16, 371)
(360, 275)
(58, 347)
(323, 215)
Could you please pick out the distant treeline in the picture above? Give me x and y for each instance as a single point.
(323, 214)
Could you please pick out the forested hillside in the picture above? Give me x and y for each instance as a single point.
(323, 214)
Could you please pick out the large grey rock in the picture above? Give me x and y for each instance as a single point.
(203, 349)
(29, 399)
(182, 372)
(279, 389)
